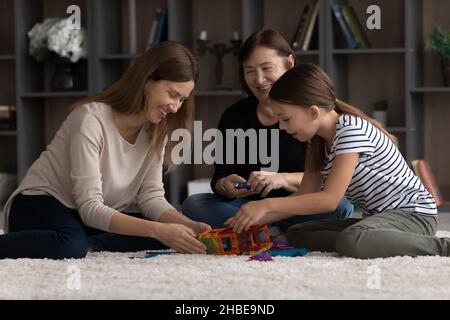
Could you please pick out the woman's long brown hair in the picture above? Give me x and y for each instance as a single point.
(170, 61)
(307, 85)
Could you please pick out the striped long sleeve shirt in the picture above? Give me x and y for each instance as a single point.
(382, 180)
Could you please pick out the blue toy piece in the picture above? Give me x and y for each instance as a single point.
(157, 253)
(294, 252)
(282, 248)
(241, 185)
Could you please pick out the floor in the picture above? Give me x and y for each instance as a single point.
(444, 221)
(107, 275)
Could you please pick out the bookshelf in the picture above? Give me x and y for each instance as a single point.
(285, 21)
(395, 68)
(398, 69)
(364, 76)
(428, 99)
(39, 110)
(8, 136)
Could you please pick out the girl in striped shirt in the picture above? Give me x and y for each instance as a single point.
(353, 155)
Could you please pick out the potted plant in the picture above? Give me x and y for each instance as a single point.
(56, 40)
(439, 42)
(380, 112)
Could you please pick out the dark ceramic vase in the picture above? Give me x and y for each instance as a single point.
(66, 77)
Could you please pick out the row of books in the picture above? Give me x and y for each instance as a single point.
(158, 28)
(306, 34)
(7, 117)
(350, 26)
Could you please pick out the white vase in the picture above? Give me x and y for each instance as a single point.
(381, 117)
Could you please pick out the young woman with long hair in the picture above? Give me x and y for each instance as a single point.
(107, 156)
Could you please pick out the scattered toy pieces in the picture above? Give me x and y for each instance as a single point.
(151, 254)
(279, 248)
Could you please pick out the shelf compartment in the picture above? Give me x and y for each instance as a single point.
(7, 57)
(369, 51)
(399, 129)
(218, 93)
(431, 90)
(306, 52)
(119, 56)
(9, 133)
(54, 94)
(386, 37)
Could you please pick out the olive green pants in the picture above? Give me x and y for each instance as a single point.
(387, 234)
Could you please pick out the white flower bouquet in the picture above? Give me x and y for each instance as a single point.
(57, 35)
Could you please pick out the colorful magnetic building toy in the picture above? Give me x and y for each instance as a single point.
(225, 241)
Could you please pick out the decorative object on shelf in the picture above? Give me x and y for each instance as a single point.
(66, 77)
(7, 117)
(439, 42)
(380, 112)
(58, 41)
(219, 50)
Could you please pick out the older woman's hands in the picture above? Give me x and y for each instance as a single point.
(264, 182)
(228, 189)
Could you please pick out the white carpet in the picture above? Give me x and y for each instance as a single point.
(316, 276)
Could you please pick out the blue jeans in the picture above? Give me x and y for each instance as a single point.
(41, 227)
(209, 208)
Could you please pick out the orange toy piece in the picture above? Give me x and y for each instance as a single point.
(225, 241)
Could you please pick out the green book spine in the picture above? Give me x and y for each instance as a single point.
(295, 42)
(355, 26)
(310, 25)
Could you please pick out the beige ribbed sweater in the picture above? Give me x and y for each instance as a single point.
(90, 167)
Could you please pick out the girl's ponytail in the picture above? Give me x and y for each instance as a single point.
(342, 107)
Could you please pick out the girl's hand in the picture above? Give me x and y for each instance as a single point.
(179, 237)
(249, 214)
(264, 181)
(200, 227)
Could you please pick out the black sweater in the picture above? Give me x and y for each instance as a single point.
(242, 115)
